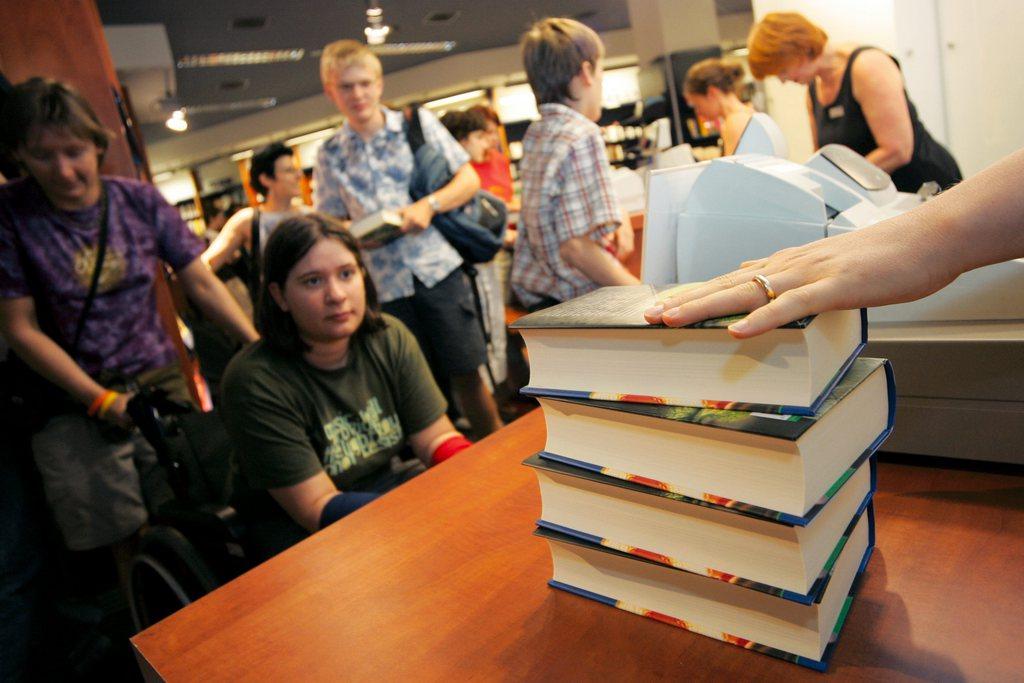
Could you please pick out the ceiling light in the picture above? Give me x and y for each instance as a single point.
(236, 105)
(240, 58)
(177, 121)
(310, 137)
(242, 156)
(413, 48)
(455, 99)
(376, 30)
(375, 35)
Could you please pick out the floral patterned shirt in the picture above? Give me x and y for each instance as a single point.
(355, 177)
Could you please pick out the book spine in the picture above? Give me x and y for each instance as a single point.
(838, 377)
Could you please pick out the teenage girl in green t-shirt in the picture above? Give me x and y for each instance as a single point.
(319, 409)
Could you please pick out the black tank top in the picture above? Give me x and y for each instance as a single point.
(842, 122)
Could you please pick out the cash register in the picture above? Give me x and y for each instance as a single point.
(958, 354)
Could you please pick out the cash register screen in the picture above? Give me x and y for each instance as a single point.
(860, 170)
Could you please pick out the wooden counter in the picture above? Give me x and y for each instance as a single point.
(442, 580)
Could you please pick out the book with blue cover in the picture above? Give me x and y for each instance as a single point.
(782, 467)
(598, 346)
(799, 632)
(761, 553)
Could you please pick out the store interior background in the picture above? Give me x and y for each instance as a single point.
(955, 55)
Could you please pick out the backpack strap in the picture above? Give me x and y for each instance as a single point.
(254, 254)
(414, 128)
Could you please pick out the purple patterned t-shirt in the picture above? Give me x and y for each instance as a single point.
(49, 254)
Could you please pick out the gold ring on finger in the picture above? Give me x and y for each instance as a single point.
(765, 286)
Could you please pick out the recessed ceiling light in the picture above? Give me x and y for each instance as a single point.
(240, 58)
(441, 17)
(235, 84)
(248, 23)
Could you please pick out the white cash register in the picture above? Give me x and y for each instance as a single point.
(958, 354)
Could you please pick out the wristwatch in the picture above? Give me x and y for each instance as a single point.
(434, 203)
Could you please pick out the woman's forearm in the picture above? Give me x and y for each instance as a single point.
(47, 358)
(890, 159)
(974, 224)
(215, 301)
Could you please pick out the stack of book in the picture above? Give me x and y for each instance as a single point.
(719, 485)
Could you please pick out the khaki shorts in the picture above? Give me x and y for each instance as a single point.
(100, 490)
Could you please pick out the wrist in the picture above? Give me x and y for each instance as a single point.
(343, 504)
(449, 447)
(434, 203)
(102, 403)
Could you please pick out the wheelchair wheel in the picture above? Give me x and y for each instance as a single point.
(166, 574)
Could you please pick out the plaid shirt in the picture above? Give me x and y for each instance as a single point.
(355, 177)
(567, 193)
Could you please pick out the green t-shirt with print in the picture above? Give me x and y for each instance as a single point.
(288, 419)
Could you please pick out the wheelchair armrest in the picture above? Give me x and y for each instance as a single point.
(221, 520)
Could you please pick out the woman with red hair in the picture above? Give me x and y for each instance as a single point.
(856, 98)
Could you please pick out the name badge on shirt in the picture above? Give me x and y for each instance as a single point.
(836, 112)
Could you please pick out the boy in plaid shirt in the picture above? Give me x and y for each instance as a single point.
(574, 236)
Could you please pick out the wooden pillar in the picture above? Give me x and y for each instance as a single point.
(63, 39)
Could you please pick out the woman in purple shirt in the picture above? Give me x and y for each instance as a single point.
(55, 224)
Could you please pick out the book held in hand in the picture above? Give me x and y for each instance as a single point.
(774, 465)
(378, 228)
(599, 346)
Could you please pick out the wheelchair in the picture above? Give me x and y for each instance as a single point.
(195, 541)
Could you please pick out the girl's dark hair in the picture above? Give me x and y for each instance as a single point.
(289, 243)
(263, 161)
(45, 102)
(461, 123)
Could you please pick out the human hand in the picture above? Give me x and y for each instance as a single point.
(117, 413)
(417, 216)
(508, 240)
(624, 241)
(870, 267)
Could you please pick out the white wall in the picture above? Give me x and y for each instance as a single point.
(733, 28)
(175, 187)
(920, 55)
(985, 91)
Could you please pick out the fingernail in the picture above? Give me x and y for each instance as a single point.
(674, 315)
(739, 326)
(654, 310)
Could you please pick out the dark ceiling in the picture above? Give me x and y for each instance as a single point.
(203, 26)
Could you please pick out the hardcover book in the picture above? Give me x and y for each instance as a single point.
(599, 346)
(379, 227)
(784, 467)
(760, 553)
(805, 634)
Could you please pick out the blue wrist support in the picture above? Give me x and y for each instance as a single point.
(344, 503)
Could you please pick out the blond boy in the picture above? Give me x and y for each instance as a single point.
(366, 166)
